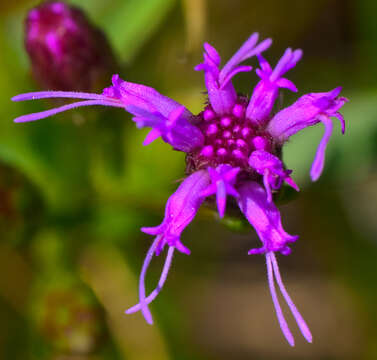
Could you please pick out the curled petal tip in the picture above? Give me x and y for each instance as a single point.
(268, 41)
(149, 321)
(115, 78)
(181, 248)
(307, 335)
(314, 176)
(151, 230)
(256, 251)
(286, 251)
(221, 212)
(16, 98)
(337, 91)
(20, 119)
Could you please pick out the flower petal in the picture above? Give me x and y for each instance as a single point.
(221, 93)
(265, 218)
(143, 97)
(272, 169)
(174, 129)
(279, 313)
(222, 183)
(305, 112)
(296, 314)
(267, 90)
(161, 282)
(309, 110)
(246, 51)
(180, 210)
(319, 160)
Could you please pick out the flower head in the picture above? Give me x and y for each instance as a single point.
(233, 147)
(66, 51)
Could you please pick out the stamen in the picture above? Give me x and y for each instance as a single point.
(219, 142)
(207, 151)
(238, 154)
(208, 115)
(241, 144)
(212, 129)
(267, 186)
(227, 134)
(246, 132)
(238, 111)
(260, 143)
(222, 152)
(229, 139)
(225, 121)
(236, 129)
(231, 142)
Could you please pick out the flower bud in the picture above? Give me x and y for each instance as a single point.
(67, 52)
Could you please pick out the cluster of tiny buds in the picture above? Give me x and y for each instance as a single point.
(229, 138)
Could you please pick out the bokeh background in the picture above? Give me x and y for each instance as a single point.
(76, 188)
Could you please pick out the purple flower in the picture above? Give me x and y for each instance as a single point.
(233, 147)
(67, 52)
(309, 110)
(272, 169)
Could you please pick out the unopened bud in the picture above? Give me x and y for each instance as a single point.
(67, 52)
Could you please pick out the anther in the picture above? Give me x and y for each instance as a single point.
(231, 142)
(246, 132)
(207, 151)
(227, 134)
(222, 152)
(212, 129)
(225, 121)
(219, 142)
(238, 110)
(260, 143)
(236, 129)
(208, 115)
(241, 143)
(238, 154)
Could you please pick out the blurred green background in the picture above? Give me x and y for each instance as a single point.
(76, 188)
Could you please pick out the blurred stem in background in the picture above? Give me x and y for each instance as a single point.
(195, 12)
(349, 255)
(366, 30)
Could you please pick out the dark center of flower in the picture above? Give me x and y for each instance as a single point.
(229, 139)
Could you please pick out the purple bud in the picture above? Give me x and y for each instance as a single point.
(66, 51)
